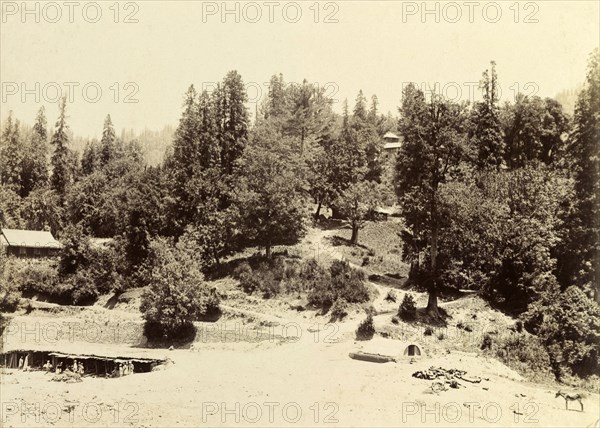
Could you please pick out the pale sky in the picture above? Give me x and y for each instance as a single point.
(374, 46)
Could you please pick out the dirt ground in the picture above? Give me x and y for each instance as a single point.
(292, 384)
(265, 364)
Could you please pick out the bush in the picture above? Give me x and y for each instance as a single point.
(519, 326)
(339, 310)
(465, 327)
(390, 297)
(177, 293)
(81, 288)
(264, 279)
(479, 248)
(487, 342)
(441, 335)
(311, 270)
(366, 329)
(85, 271)
(342, 282)
(37, 277)
(269, 279)
(407, 310)
(9, 296)
(569, 327)
(526, 354)
(428, 331)
(157, 332)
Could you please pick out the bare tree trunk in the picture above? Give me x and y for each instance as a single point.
(432, 301)
(268, 249)
(318, 212)
(354, 238)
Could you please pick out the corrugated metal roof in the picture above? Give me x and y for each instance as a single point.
(29, 238)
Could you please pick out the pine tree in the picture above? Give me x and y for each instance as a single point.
(581, 257)
(90, 159)
(486, 131)
(360, 107)
(35, 165)
(373, 115)
(232, 119)
(61, 158)
(40, 148)
(182, 163)
(11, 156)
(208, 144)
(108, 142)
(276, 103)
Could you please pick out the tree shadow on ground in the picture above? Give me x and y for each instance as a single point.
(338, 241)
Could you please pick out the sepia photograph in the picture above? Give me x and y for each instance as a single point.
(316, 213)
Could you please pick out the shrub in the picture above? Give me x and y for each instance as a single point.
(339, 310)
(407, 310)
(366, 260)
(519, 326)
(37, 277)
(268, 279)
(479, 248)
(86, 271)
(248, 279)
(9, 296)
(526, 354)
(177, 293)
(487, 342)
(366, 329)
(264, 279)
(464, 326)
(390, 297)
(81, 288)
(311, 270)
(569, 327)
(441, 335)
(155, 331)
(342, 281)
(428, 331)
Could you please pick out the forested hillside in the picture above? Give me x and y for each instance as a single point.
(500, 198)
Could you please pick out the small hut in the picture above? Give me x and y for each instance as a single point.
(28, 243)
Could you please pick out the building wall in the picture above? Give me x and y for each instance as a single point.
(26, 252)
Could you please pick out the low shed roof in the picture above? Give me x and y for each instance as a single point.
(28, 238)
(391, 146)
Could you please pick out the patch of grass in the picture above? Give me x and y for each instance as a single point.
(376, 238)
